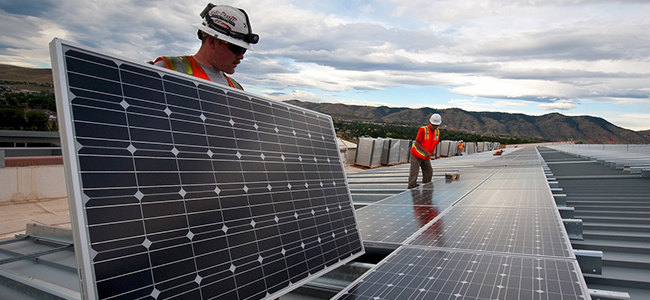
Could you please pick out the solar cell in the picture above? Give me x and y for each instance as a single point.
(519, 173)
(396, 218)
(393, 224)
(514, 184)
(509, 198)
(515, 158)
(181, 188)
(527, 231)
(440, 193)
(414, 273)
(475, 174)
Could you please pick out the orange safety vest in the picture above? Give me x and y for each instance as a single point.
(427, 140)
(461, 146)
(193, 68)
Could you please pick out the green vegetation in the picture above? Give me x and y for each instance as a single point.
(352, 130)
(26, 110)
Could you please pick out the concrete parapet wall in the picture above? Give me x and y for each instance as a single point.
(27, 161)
(32, 183)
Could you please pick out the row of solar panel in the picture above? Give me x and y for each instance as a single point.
(495, 234)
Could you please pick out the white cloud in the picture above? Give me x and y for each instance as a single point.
(559, 106)
(299, 95)
(502, 103)
(475, 104)
(516, 53)
(509, 88)
(632, 121)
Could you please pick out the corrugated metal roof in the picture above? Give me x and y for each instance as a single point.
(614, 206)
(40, 264)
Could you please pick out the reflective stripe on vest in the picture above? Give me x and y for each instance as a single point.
(193, 68)
(428, 141)
(232, 83)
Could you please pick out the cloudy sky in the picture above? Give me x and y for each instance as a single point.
(576, 57)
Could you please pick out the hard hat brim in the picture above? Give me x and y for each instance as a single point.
(223, 37)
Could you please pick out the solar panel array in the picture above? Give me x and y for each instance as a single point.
(415, 273)
(497, 235)
(394, 219)
(184, 189)
(390, 222)
(508, 198)
(526, 231)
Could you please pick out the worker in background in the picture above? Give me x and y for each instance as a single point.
(422, 151)
(225, 35)
(461, 146)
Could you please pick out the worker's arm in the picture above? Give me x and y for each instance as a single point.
(421, 149)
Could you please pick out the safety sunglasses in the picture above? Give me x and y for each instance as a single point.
(236, 50)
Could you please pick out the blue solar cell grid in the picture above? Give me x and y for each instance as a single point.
(418, 274)
(181, 188)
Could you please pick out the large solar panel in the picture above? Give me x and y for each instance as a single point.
(418, 274)
(183, 189)
(514, 157)
(441, 193)
(526, 231)
(509, 198)
(392, 224)
(393, 220)
(498, 184)
(518, 173)
(470, 173)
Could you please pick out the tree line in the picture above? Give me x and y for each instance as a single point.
(27, 111)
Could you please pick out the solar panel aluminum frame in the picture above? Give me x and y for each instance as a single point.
(73, 178)
(78, 214)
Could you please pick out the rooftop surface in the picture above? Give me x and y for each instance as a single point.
(612, 203)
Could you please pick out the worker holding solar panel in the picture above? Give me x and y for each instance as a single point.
(422, 151)
(225, 35)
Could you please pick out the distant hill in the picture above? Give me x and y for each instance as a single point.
(14, 73)
(549, 127)
(645, 133)
(26, 78)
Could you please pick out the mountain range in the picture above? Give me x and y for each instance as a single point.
(549, 127)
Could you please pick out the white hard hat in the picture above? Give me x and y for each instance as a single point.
(435, 119)
(228, 24)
